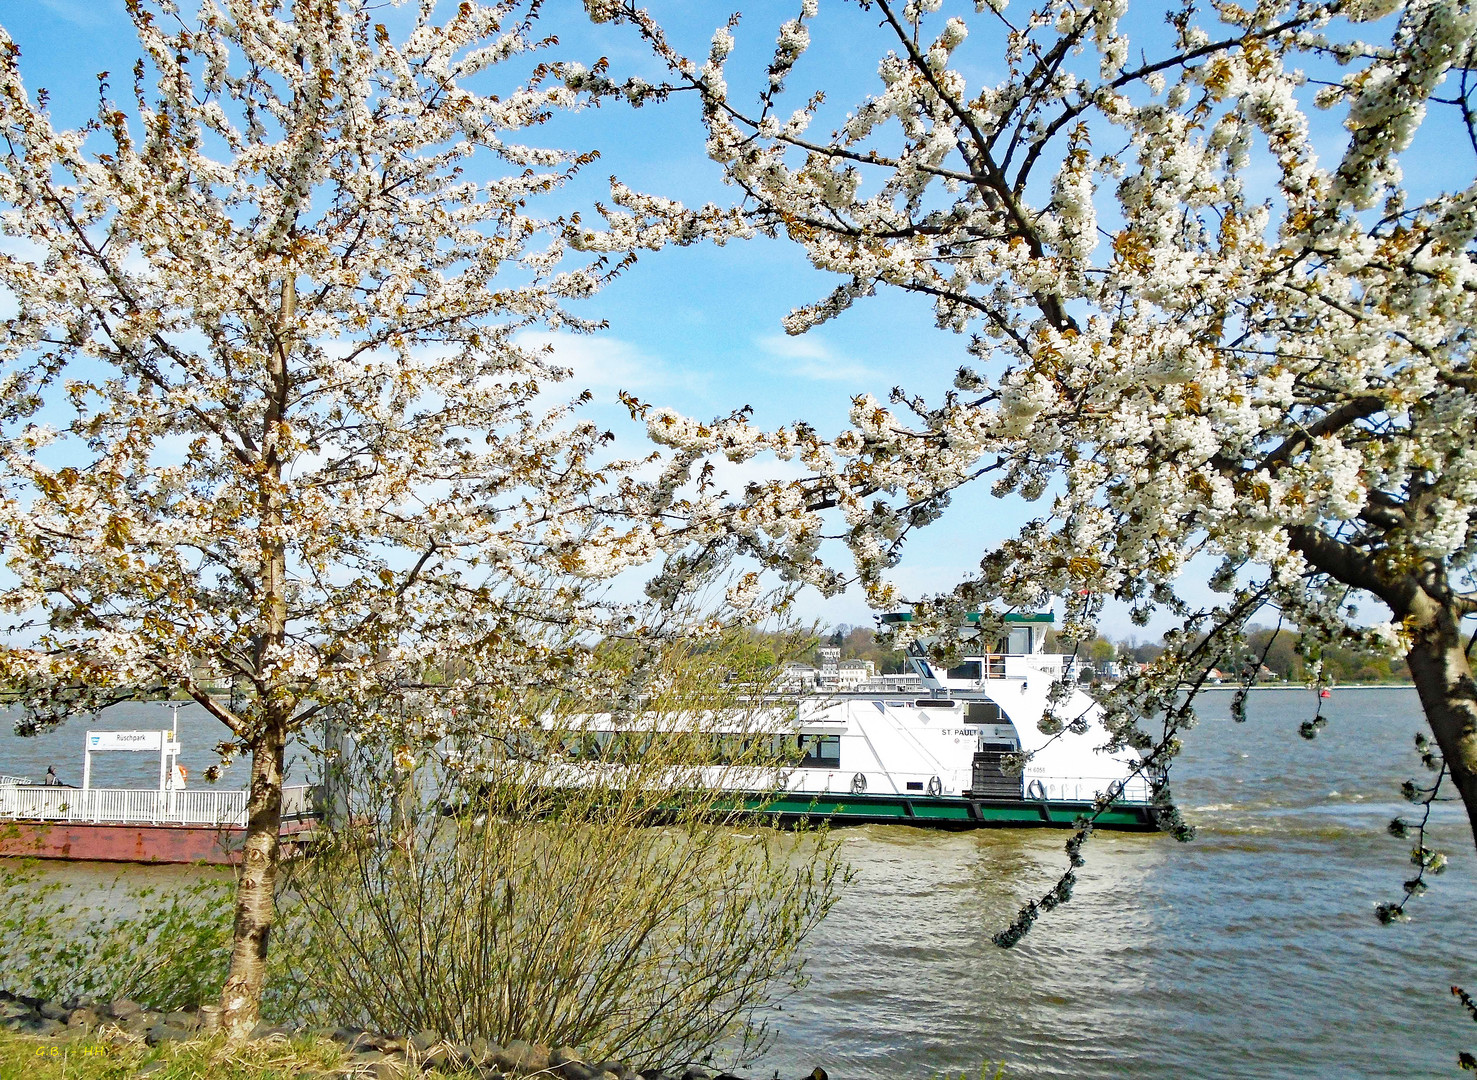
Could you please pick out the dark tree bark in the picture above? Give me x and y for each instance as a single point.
(1443, 678)
(1431, 614)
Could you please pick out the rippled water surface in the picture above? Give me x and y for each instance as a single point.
(61, 748)
(1250, 952)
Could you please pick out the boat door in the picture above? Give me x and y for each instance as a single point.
(995, 742)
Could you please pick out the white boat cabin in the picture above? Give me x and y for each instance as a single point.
(960, 737)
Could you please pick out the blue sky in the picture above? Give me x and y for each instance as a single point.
(695, 328)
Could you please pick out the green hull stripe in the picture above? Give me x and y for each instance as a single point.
(943, 812)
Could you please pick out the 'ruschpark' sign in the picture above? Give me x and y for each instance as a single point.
(124, 740)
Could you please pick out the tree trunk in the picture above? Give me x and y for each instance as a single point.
(255, 888)
(255, 896)
(1443, 678)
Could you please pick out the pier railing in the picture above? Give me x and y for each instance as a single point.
(130, 806)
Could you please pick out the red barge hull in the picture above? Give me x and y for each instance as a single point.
(212, 845)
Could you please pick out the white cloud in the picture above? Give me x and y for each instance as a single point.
(810, 357)
(602, 362)
(734, 476)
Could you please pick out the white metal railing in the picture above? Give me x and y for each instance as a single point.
(131, 806)
(297, 801)
(1084, 788)
(894, 783)
(13, 781)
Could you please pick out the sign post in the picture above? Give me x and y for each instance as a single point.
(132, 741)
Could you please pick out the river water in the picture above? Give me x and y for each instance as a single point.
(61, 748)
(1251, 952)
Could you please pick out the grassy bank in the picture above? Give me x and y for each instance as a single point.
(27, 1057)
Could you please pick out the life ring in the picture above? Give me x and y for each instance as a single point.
(935, 786)
(858, 783)
(1036, 790)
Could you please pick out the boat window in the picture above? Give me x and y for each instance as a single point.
(820, 751)
(915, 785)
(934, 703)
(731, 747)
(969, 669)
(587, 745)
(984, 712)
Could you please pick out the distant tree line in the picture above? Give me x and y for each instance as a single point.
(1275, 650)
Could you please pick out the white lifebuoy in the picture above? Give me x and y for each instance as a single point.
(1036, 790)
(935, 786)
(858, 783)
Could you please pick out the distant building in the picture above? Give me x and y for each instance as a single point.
(837, 675)
(796, 678)
(852, 673)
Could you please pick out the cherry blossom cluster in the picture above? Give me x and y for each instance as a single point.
(265, 415)
(1193, 337)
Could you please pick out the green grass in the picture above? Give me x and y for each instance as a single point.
(26, 1057)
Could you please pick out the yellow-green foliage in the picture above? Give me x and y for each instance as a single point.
(569, 877)
(26, 1057)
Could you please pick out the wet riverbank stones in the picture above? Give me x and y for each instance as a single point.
(79, 1017)
(366, 1054)
(427, 1051)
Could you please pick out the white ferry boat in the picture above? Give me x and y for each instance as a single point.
(939, 755)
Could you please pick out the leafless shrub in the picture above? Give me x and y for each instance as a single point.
(571, 878)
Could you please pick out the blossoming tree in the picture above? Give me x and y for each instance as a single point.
(1194, 337)
(264, 413)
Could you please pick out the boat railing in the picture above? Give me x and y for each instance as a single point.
(131, 806)
(13, 781)
(921, 784)
(1084, 788)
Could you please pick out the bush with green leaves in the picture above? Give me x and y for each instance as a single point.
(546, 874)
(164, 947)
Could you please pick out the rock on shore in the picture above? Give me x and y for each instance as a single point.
(367, 1053)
